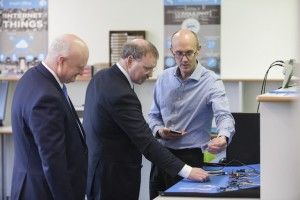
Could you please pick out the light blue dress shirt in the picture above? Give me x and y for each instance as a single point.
(190, 105)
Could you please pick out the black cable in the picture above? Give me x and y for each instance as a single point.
(264, 83)
(222, 166)
(275, 63)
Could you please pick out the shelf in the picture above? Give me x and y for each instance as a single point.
(5, 130)
(86, 76)
(10, 78)
(280, 95)
(268, 97)
(83, 78)
(16, 78)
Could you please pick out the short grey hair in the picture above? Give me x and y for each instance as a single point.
(137, 50)
(59, 46)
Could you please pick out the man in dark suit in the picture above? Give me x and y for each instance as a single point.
(117, 133)
(50, 151)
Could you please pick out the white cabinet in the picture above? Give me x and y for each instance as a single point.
(280, 146)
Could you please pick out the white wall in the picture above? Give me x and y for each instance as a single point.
(253, 33)
(256, 33)
(93, 19)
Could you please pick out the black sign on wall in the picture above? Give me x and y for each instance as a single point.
(201, 16)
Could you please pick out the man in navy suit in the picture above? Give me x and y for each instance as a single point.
(50, 150)
(117, 133)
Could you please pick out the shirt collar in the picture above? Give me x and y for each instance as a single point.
(196, 75)
(125, 74)
(53, 73)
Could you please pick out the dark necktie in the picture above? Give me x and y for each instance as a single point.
(64, 88)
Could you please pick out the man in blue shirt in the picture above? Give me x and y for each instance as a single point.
(186, 98)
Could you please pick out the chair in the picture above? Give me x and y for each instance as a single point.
(245, 144)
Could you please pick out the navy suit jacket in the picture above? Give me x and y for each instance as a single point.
(117, 136)
(50, 151)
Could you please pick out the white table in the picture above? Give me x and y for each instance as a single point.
(201, 198)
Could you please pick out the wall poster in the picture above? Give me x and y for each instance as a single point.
(201, 16)
(23, 34)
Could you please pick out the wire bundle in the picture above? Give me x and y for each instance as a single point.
(263, 87)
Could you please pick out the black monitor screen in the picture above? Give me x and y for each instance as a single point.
(245, 144)
(3, 97)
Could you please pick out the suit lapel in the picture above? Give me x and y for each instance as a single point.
(68, 104)
(45, 72)
(42, 69)
(121, 76)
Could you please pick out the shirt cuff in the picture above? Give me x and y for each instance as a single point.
(185, 171)
(155, 130)
(156, 135)
(227, 135)
(226, 138)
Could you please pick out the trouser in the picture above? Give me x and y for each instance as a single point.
(160, 180)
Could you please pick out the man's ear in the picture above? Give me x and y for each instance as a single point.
(60, 60)
(129, 61)
(199, 48)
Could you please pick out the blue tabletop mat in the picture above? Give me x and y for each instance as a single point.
(223, 179)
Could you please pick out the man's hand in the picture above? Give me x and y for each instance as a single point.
(166, 133)
(217, 145)
(198, 174)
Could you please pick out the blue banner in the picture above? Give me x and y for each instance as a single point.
(23, 4)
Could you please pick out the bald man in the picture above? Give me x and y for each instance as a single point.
(186, 98)
(50, 150)
(117, 133)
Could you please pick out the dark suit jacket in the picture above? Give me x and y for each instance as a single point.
(50, 151)
(117, 136)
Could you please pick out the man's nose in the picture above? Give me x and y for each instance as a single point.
(184, 58)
